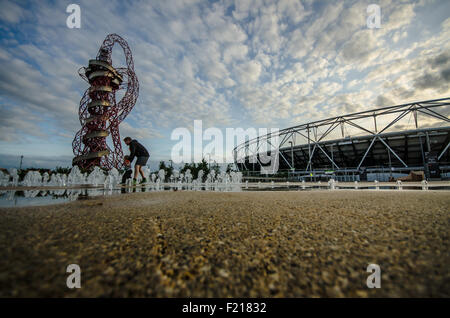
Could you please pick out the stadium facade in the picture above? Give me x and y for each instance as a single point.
(380, 143)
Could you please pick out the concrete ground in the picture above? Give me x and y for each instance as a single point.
(247, 244)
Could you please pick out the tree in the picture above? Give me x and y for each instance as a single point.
(186, 166)
(162, 165)
(195, 168)
(168, 170)
(216, 168)
(63, 170)
(203, 165)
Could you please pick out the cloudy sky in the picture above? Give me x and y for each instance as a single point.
(229, 63)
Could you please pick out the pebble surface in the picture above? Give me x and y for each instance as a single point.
(214, 244)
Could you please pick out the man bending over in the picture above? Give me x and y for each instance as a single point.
(142, 155)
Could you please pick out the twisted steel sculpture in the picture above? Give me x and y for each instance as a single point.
(100, 115)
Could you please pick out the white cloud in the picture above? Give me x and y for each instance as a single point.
(228, 63)
(235, 52)
(11, 12)
(248, 72)
(329, 88)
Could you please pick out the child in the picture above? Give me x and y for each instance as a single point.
(128, 171)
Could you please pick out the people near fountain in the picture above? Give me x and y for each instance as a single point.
(128, 171)
(137, 150)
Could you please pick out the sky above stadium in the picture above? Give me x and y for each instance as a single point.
(228, 63)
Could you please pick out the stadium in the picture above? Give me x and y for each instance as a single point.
(378, 144)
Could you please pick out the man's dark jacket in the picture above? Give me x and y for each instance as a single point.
(137, 150)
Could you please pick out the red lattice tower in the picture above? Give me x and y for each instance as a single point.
(99, 113)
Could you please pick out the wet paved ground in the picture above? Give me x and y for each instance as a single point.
(250, 244)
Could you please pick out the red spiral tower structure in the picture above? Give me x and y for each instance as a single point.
(99, 113)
